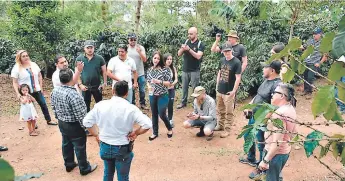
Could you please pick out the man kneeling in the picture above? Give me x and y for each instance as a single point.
(204, 115)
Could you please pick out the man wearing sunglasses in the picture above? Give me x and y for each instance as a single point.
(138, 54)
(264, 94)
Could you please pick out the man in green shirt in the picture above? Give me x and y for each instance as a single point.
(94, 67)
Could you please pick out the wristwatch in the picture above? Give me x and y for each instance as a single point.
(265, 161)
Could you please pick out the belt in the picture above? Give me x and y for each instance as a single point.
(120, 146)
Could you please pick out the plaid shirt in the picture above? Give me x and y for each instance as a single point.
(68, 105)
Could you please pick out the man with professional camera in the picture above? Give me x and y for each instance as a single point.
(271, 74)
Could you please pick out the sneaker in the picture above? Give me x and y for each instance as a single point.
(246, 161)
(144, 107)
(218, 128)
(172, 123)
(181, 106)
(224, 134)
(209, 137)
(93, 168)
(200, 134)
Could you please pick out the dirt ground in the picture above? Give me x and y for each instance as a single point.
(182, 158)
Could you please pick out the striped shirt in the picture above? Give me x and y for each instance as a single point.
(207, 109)
(160, 74)
(68, 105)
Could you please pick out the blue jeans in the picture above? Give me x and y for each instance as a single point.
(115, 159)
(42, 102)
(260, 136)
(159, 106)
(340, 105)
(171, 103)
(141, 84)
(276, 166)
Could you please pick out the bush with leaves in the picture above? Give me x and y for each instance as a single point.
(7, 56)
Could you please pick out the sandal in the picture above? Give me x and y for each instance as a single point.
(151, 138)
(170, 135)
(33, 133)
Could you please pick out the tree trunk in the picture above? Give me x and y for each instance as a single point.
(104, 13)
(291, 31)
(137, 16)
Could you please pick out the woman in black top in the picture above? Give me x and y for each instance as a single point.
(169, 64)
(158, 81)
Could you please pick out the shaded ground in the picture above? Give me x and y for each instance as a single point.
(183, 158)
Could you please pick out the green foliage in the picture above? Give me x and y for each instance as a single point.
(288, 76)
(249, 140)
(338, 44)
(336, 71)
(322, 100)
(325, 149)
(309, 146)
(6, 171)
(326, 42)
(7, 56)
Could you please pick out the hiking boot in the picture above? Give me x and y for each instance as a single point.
(218, 128)
(224, 134)
(246, 161)
(181, 106)
(209, 137)
(200, 134)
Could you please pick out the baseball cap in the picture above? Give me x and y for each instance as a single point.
(198, 91)
(275, 65)
(317, 30)
(132, 35)
(89, 43)
(226, 47)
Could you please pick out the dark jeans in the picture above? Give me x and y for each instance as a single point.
(310, 77)
(141, 85)
(192, 78)
(97, 95)
(74, 140)
(159, 106)
(115, 159)
(171, 103)
(42, 102)
(276, 166)
(260, 136)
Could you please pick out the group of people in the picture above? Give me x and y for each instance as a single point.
(111, 121)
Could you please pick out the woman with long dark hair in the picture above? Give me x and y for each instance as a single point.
(171, 90)
(158, 81)
(27, 72)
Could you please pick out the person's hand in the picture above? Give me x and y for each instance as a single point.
(218, 35)
(194, 117)
(156, 81)
(132, 136)
(263, 166)
(80, 66)
(231, 93)
(317, 65)
(245, 112)
(186, 48)
(102, 86)
(183, 46)
(83, 87)
(138, 49)
(98, 140)
(135, 85)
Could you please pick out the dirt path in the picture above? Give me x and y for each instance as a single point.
(183, 158)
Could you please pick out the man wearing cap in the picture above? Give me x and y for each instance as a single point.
(121, 68)
(238, 50)
(271, 73)
(192, 51)
(204, 114)
(313, 61)
(94, 67)
(138, 54)
(228, 80)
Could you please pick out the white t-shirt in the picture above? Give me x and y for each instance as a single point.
(132, 52)
(56, 80)
(122, 69)
(24, 77)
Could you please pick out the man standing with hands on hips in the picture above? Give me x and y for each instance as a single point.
(138, 54)
(192, 52)
(94, 67)
(228, 80)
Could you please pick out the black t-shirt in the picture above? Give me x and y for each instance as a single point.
(238, 51)
(191, 64)
(228, 70)
(265, 91)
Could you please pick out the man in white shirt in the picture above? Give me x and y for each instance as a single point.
(111, 122)
(62, 63)
(121, 68)
(138, 54)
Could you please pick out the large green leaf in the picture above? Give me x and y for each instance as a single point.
(309, 146)
(301, 68)
(330, 113)
(260, 114)
(341, 91)
(335, 150)
(276, 56)
(288, 76)
(294, 64)
(341, 27)
(278, 123)
(325, 149)
(307, 52)
(245, 131)
(326, 42)
(294, 44)
(248, 106)
(249, 141)
(6, 171)
(342, 156)
(322, 100)
(336, 71)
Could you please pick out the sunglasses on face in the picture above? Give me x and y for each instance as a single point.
(276, 92)
(133, 39)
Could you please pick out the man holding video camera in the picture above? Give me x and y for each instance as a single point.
(271, 74)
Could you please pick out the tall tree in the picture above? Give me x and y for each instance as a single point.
(137, 15)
